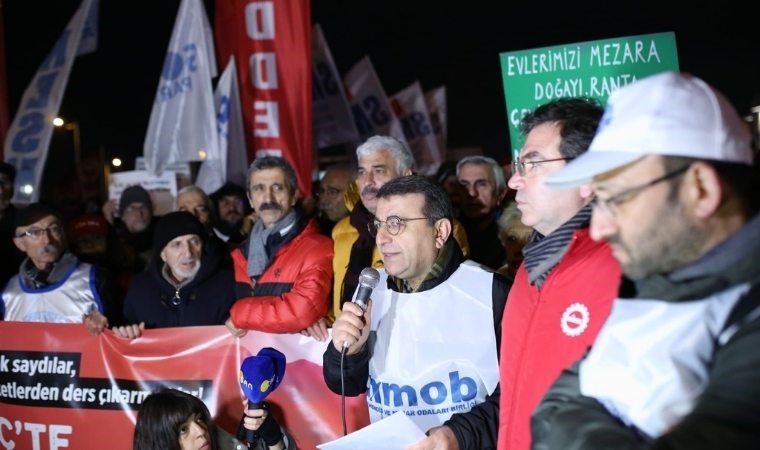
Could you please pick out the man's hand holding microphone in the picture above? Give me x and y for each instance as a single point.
(351, 328)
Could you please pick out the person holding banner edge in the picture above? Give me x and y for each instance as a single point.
(187, 283)
(52, 285)
(283, 272)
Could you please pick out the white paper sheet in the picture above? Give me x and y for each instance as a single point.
(395, 432)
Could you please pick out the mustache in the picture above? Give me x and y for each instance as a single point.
(270, 205)
(369, 190)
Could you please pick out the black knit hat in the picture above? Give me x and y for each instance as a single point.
(134, 194)
(34, 213)
(229, 188)
(174, 225)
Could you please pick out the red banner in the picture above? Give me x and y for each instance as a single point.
(272, 42)
(61, 387)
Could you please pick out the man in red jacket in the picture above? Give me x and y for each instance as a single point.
(284, 270)
(562, 292)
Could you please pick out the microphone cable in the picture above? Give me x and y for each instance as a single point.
(343, 390)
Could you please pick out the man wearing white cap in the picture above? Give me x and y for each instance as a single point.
(676, 365)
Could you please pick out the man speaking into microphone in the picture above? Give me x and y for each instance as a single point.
(427, 342)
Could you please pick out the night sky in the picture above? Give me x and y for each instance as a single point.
(110, 92)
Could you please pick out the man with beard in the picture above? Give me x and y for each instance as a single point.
(283, 272)
(53, 285)
(676, 364)
(11, 256)
(233, 213)
(483, 181)
(185, 285)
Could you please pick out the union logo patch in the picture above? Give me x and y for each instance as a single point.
(575, 319)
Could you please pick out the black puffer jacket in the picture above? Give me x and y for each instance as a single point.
(206, 300)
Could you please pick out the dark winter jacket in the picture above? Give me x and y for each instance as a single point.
(205, 300)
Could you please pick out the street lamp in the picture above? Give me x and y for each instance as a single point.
(72, 126)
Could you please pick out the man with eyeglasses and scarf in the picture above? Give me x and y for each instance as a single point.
(562, 291)
(428, 341)
(52, 284)
(676, 366)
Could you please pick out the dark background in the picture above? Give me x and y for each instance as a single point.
(111, 91)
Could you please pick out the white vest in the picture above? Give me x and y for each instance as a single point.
(64, 302)
(433, 352)
(652, 358)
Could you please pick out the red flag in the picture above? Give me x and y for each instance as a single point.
(272, 42)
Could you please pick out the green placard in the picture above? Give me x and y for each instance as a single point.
(587, 69)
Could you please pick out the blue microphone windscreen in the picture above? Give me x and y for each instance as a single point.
(257, 378)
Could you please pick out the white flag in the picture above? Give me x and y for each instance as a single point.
(28, 138)
(183, 119)
(332, 120)
(411, 109)
(233, 162)
(372, 112)
(436, 104)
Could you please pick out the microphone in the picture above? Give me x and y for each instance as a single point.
(259, 376)
(368, 279)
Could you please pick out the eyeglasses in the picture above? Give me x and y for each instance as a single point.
(393, 225)
(36, 233)
(519, 166)
(610, 205)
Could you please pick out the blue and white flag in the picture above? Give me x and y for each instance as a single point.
(232, 164)
(183, 119)
(436, 104)
(409, 106)
(28, 138)
(371, 110)
(332, 120)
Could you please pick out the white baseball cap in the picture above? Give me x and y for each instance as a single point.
(674, 114)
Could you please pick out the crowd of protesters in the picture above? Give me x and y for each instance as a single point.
(601, 290)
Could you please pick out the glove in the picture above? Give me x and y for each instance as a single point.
(270, 430)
